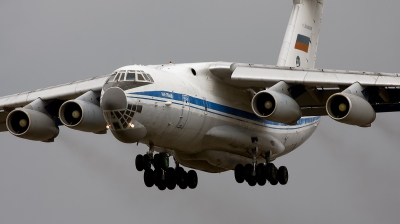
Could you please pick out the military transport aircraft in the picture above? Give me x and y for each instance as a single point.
(215, 116)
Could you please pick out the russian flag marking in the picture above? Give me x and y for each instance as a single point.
(302, 43)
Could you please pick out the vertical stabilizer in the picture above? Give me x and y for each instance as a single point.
(299, 48)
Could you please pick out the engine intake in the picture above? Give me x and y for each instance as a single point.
(276, 106)
(350, 109)
(32, 125)
(83, 116)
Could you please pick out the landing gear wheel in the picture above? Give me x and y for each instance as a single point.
(239, 173)
(139, 163)
(181, 178)
(148, 177)
(163, 161)
(273, 175)
(170, 178)
(248, 172)
(283, 175)
(162, 185)
(146, 162)
(156, 161)
(158, 175)
(179, 175)
(271, 172)
(261, 174)
(274, 182)
(252, 182)
(192, 179)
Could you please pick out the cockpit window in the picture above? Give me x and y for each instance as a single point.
(130, 76)
(122, 77)
(140, 77)
(145, 77)
(112, 77)
(151, 79)
(116, 78)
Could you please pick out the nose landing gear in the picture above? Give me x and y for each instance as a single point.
(164, 176)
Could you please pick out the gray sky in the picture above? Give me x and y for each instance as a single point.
(343, 174)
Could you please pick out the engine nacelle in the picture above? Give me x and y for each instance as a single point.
(32, 125)
(350, 109)
(83, 116)
(276, 106)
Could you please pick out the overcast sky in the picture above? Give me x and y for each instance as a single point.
(342, 174)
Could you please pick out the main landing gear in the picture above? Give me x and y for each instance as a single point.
(164, 176)
(261, 173)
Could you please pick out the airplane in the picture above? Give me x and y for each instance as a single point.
(214, 116)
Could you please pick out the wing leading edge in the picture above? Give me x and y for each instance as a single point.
(60, 92)
(55, 94)
(311, 88)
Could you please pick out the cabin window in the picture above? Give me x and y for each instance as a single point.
(139, 108)
(116, 126)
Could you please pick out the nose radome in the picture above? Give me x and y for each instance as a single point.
(114, 99)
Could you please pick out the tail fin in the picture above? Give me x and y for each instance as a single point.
(299, 48)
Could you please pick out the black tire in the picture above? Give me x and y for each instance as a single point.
(252, 182)
(146, 162)
(139, 163)
(155, 161)
(158, 174)
(283, 175)
(261, 182)
(162, 185)
(248, 172)
(271, 172)
(179, 175)
(182, 178)
(192, 179)
(239, 173)
(170, 178)
(261, 174)
(273, 175)
(274, 182)
(163, 161)
(183, 186)
(148, 177)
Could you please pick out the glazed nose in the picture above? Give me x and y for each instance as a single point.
(114, 99)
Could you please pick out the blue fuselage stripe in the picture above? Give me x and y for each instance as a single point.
(211, 106)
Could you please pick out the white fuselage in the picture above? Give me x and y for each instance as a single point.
(179, 108)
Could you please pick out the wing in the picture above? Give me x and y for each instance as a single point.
(55, 95)
(311, 88)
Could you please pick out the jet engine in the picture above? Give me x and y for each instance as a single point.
(350, 109)
(32, 125)
(82, 115)
(275, 106)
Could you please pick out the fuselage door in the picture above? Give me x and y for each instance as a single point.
(185, 111)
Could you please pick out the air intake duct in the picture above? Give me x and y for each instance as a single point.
(275, 106)
(32, 125)
(350, 109)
